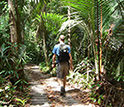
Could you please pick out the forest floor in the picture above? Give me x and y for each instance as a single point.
(44, 91)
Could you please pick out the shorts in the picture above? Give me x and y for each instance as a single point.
(62, 69)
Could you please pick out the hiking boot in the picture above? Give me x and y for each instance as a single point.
(62, 91)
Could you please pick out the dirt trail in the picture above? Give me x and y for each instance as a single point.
(45, 91)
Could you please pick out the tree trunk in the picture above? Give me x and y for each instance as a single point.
(37, 33)
(101, 41)
(15, 33)
(43, 29)
(19, 37)
(69, 31)
(98, 42)
(88, 54)
(13, 27)
(44, 48)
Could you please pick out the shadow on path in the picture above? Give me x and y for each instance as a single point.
(45, 91)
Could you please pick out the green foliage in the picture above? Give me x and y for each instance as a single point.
(34, 52)
(21, 83)
(47, 69)
(94, 96)
(9, 57)
(83, 36)
(4, 23)
(7, 91)
(52, 21)
(82, 66)
(55, 6)
(44, 68)
(78, 78)
(12, 63)
(20, 101)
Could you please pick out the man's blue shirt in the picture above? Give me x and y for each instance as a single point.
(56, 49)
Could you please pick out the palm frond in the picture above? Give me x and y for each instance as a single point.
(51, 21)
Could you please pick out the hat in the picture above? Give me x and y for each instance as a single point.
(62, 37)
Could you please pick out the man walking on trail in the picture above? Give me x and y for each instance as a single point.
(64, 60)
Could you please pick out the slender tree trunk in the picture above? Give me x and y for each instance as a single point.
(37, 33)
(44, 48)
(23, 33)
(13, 27)
(69, 31)
(98, 43)
(88, 54)
(43, 29)
(101, 41)
(19, 37)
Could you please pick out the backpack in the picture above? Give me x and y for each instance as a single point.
(63, 53)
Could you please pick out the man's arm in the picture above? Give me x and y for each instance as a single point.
(54, 58)
(71, 64)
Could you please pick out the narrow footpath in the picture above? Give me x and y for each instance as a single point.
(44, 91)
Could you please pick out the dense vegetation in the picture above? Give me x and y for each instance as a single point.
(94, 29)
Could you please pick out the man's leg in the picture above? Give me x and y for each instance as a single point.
(61, 75)
(62, 86)
(64, 81)
(60, 82)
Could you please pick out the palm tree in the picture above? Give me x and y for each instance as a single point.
(84, 19)
(48, 22)
(102, 13)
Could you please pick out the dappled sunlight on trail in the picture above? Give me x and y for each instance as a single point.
(45, 91)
